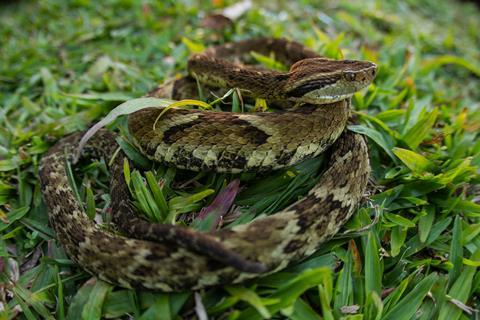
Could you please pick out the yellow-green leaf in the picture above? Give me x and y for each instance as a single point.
(194, 47)
(420, 130)
(414, 161)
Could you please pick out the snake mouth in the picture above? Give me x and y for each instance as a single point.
(310, 87)
(323, 99)
(327, 91)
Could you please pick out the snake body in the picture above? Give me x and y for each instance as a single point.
(173, 258)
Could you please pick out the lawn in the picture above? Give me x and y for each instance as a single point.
(411, 251)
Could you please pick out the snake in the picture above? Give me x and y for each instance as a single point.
(313, 106)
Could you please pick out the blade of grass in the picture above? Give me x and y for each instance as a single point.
(92, 310)
(90, 203)
(288, 293)
(123, 109)
(373, 268)
(459, 291)
(408, 305)
(157, 195)
(456, 251)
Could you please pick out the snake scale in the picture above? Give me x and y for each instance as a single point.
(164, 257)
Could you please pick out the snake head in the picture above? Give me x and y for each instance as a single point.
(322, 80)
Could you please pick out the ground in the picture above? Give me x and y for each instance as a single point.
(410, 252)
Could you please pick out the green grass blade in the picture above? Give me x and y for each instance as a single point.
(414, 161)
(420, 130)
(251, 298)
(325, 299)
(303, 311)
(373, 307)
(408, 305)
(343, 293)
(161, 306)
(373, 268)
(92, 310)
(425, 224)
(288, 293)
(459, 292)
(157, 194)
(456, 252)
(90, 203)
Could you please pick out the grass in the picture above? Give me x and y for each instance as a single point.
(412, 251)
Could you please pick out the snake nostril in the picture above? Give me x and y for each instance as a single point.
(373, 72)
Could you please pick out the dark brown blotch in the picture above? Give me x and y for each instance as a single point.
(293, 245)
(172, 134)
(253, 134)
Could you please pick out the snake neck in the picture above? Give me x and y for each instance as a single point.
(253, 81)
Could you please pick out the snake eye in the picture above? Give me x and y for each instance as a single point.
(350, 76)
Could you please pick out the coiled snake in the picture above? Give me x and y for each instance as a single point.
(172, 258)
